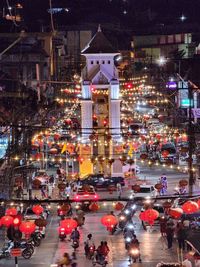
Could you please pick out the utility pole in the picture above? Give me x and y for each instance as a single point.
(191, 140)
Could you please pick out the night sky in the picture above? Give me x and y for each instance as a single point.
(128, 14)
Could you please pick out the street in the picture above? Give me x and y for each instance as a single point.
(152, 245)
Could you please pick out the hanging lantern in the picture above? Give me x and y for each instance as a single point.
(27, 227)
(41, 222)
(175, 213)
(11, 212)
(18, 180)
(37, 209)
(184, 138)
(34, 146)
(61, 186)
(119, 206)
(158, 186)
(158, 136)
(149, 215)
(111, 161)
(53, 150)
(80, 160)
(109, 221)
(65, 207)
(101, 159)
(94, 206)
(130, 161)
(165, 153)
(108, 137)
(136, 188)
(190, 207)
(36, 183)
(111, 188)
(167, 205)
(38, 156)
(198, 202)
(7, 220)
(69, 225)
(56, 136)
(183, 182)
(143, 156)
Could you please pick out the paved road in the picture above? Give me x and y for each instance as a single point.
(152, 246)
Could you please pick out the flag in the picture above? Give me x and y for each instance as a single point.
(64, 148)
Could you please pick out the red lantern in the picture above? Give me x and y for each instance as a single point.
(149, 215)
(94, 207)
(175, 213)
(119, 206)
(190, 207)
(69, 225)
(0, 223)
(183, 182)
(165, 153)
(56, 136)
(53, 150)
(37, 209)
(27, 227)
(11, 212)
(198, 202)
(7, 220)
(109, 221)
(143, 156)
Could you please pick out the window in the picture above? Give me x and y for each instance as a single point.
(103, 62)
(92, 62)
(97, 62)
(108, 61)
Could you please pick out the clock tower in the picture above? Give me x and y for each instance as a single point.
(100, 109)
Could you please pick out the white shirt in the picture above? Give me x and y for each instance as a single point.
(187, 263)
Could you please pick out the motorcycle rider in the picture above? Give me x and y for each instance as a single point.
(102, 251)
(75, 235)
(134, 244)
(88, 244)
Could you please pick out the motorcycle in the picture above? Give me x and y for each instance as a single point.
(112, 230)
(90, 252)
(75, 245)
(62, 234)
(134, 254)
(96, 260)
(36, 238)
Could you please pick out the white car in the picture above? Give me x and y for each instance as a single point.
(30, 215)
(86, 193)
(145, 192)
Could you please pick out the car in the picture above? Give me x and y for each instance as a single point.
(42, 176)
(170, 147)
(86, 192)
(99, 181)
(30, 215)
(145, 191)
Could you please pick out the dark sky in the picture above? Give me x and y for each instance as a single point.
(129, 14)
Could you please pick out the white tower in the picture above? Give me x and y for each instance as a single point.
(100, 106)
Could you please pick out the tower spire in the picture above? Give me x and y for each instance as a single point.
(99, 28)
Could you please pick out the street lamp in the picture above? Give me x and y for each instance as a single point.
(183, 18)
(161, 61)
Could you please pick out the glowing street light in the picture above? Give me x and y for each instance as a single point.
(183, 18)
(161, 61)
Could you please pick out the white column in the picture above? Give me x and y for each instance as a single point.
(86, 119)
(114, 118)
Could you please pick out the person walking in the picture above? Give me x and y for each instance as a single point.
(169, 234)
(119, 190)
(181, 235)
